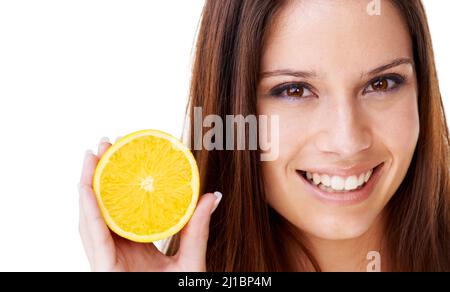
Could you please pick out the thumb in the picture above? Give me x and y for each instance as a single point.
(194, 236)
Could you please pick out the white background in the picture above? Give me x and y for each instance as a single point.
(72, 72)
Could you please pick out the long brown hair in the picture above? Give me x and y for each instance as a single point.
(245, 233)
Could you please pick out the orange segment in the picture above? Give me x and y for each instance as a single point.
(147, 186)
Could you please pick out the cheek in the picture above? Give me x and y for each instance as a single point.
(397, 127)
(293, 126)
(292, 133)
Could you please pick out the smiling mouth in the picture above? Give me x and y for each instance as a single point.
(339, 184)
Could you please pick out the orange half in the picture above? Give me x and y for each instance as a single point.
(147, 186)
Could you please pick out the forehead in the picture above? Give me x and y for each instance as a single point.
(324, 34)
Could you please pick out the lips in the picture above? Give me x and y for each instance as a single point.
(341, 189)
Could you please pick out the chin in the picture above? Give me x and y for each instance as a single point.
(338, 227)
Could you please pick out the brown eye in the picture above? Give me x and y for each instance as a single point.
(292, 91)
(381, 84)
(384, 84)
(295, 91)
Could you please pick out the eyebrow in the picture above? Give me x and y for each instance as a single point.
(393, 64)
(288, 72)
(312, 74)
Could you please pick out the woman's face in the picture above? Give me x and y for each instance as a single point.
(343, 85)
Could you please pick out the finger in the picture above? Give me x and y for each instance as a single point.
(86, 179)
(85, 183)
(85, 240)
(103, 146)
(102, 246)
(87, 173)
(100, 242)
(194, 237)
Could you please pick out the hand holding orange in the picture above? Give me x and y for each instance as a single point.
(146, 189)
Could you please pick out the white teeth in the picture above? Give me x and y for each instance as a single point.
(361, 179)
(368, 175)
(316, 179)
(326, 180)
(351, 183)
(337, 183)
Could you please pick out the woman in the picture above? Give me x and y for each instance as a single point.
(363, 162)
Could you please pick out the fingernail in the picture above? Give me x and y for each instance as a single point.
(104, 140)
(218, 199)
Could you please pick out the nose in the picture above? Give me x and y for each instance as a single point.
(345, 130)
